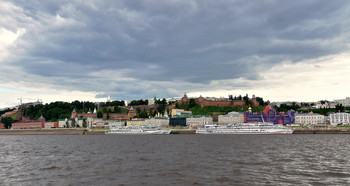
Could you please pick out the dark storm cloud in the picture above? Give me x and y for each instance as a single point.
(184, 41)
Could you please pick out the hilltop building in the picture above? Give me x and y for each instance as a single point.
(270, 115)
(345, 102)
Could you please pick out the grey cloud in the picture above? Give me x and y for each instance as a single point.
(194, 42)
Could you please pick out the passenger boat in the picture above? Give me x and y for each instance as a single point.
(245, 128)
(138, 130)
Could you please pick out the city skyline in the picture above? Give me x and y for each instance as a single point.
(73, 50)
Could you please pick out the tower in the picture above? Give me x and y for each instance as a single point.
(154, 99)
(255, 103)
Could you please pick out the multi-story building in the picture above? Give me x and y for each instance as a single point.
(178, 121)
(231, 117)
(345, 102)
(270, 115)
(158, 121)
(74, 122)
(180, 112)
(196, 121)
(339, 118)
(135, 122)
(116, 124)
(309, 118)
(49, 125)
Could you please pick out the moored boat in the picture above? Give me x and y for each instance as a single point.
(138, 130)
(245, 128)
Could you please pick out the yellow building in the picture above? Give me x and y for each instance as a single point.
(135, 122)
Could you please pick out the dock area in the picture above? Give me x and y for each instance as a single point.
(183, 131)
(339, 130)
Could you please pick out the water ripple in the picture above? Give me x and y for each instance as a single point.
(175, 159)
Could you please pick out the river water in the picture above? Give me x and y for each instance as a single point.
(175, 159)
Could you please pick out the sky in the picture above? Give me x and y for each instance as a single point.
(86, 50)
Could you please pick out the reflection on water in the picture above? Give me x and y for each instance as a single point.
(175, 159)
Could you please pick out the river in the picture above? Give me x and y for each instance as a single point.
(175, 159)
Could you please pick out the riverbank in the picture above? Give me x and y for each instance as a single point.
(48, 132)
(322, 131)
(173, 131)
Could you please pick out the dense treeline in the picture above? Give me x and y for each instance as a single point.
(216, 110)
(112, 103)
(6, 110)
(247, 100)
(58, 110)
(296, 107)
(138, 102)
(52, 111)
(61, 110)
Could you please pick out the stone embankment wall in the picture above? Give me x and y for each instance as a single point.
(323, 131)
(41, 131)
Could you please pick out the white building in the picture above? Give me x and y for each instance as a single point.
(195, 121)
(345, 102)
(116, 123)
(162, 122)
(231, 117)
(326, 104)
(93, 122)
(49, 125)
(78, 122)
(309, 118)
(62, 122)
(339, 118)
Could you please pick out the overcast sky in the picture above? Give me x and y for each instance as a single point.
(84, 50)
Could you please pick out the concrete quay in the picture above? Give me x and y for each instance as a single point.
(322, 131)
(183, 131)
(41, 131)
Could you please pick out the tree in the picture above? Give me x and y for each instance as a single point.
(143, 114)
(161, 108)
(116, 109)
(339, 107)
(163, 101)
(192, 103)
(7, 121)
(99, 114)
(73, 123)
(84, 123)
(107, 116)
(260, 100)
(230, 97)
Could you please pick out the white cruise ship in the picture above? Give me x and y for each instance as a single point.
(138, 130)
(245, 128)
